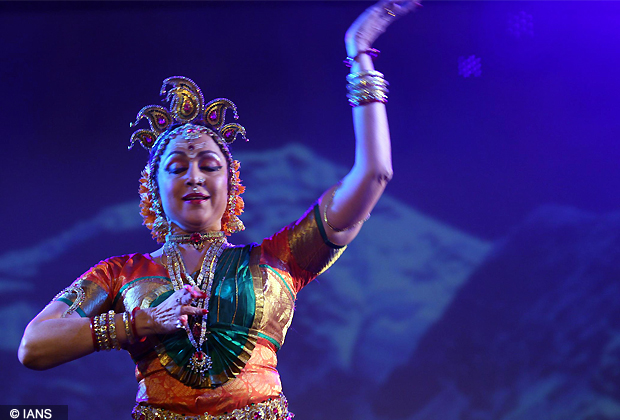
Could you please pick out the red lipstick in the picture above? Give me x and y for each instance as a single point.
(195, 197)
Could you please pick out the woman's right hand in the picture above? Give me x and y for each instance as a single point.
(373, 22)
(171, 314)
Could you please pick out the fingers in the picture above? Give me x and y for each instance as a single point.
(392, 10)
(181, 319)
(182, 297)
(373, 22)
(191, 310)
(184, 301)
(187, 294)
(194, 292)
(401, 6)
(174, 312)
(181, 322)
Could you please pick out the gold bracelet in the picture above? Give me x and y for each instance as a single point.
(367, 91)
(128, 333)
(366, 99)
(96, 329)
(379, 83)
(335, 229)
(112, 330)
(370, 74)
(102, 333)
(366, 87)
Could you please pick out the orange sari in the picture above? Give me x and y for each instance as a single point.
(250, 311)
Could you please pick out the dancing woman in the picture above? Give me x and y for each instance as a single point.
(204, 319)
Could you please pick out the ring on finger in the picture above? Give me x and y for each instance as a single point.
(179, 325)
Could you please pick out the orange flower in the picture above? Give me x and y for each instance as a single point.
(146, 205)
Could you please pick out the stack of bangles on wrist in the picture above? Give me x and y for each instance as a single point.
(103, 330)
(366, 87)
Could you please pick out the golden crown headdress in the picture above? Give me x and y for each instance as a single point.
(188, 116)
(186, 106)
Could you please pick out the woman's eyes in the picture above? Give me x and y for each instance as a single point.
(210, 168)
(176, 169)
(207, 168)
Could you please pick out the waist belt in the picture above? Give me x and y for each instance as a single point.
(272, 409)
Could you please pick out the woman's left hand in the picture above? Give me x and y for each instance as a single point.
(373, 22)
(171, 314)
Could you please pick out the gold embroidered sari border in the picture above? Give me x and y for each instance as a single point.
(272, 409)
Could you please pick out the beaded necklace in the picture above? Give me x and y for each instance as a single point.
(200, 362)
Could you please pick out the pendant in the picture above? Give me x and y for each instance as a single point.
(200, 363)
(196, 240)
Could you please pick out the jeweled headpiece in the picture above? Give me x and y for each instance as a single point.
(186, 106)
(188, 117)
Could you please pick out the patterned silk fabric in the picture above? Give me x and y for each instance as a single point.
(250, 311)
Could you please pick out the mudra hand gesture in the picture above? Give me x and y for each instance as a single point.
(172, 314)
(373, 22)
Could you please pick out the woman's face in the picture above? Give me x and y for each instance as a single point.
(193, 183)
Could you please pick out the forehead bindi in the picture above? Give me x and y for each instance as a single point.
(192, 147)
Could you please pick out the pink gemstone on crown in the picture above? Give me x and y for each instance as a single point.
(213, 115)
(161, 121)
(187, 106)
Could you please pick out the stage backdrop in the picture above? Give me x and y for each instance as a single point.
(484, 286)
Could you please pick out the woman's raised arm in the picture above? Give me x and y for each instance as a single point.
(345, 206)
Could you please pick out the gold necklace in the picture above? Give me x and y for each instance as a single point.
(196, 239)
(200, 362)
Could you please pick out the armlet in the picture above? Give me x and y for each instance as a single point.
(80, 297)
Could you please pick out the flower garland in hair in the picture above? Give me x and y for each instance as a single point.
(146, 206)
(230, 220)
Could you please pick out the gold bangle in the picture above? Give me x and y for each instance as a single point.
(379, 83)
(128, 333)
(112, 330)
(96, 330)
(370, 73)
(366, 91)
(102, 333)
(332, 227)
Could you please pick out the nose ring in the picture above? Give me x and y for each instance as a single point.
(199, 181)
